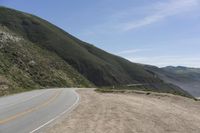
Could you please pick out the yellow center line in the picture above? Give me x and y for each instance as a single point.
(20, 114)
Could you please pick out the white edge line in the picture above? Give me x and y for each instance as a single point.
(68, 109)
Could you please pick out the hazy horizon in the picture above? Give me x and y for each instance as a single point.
(155, 32)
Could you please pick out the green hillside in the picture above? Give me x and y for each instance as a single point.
(35, 53)
(25, 66)
(98, 66)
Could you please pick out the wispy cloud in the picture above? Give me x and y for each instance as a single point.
(148, 14)
(162, 11)
(131, 51)
(168, 60)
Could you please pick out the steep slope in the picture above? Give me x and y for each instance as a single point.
(96, 65)
(35, 53)
(186, 78)
(25, 66)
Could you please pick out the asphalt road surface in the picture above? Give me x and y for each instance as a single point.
(29, 112)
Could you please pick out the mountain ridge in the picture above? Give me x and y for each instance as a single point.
(187, 78)
(90, 65)
(77, 53)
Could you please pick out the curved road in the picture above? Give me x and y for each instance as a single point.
(29, 112)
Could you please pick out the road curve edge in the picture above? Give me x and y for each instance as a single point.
(72, 107)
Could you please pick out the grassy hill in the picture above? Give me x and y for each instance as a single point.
(39, 54)
(25, 66)
(96, 65)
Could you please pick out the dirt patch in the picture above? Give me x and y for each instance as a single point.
(130, 113)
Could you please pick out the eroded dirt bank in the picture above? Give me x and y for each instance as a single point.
(130, 113)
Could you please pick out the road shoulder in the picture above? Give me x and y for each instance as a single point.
(127, 113)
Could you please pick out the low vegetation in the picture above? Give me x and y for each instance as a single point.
(25, 66)
(147, 88)
(98, 66)
(36, 54)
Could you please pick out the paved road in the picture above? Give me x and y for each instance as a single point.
(29, 112)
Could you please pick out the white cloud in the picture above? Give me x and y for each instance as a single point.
(131, 51)
(162, 11)
(168, 60)
(144, 15)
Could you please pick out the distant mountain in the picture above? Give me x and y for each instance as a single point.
(184, 74)
(184, 77)
(35, 53)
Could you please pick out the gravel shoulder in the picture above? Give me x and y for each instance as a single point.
(130, 113)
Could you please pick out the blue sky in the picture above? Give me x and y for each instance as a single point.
(157, 32)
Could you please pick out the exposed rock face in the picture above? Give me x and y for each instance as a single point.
(6, 37)
(3, 85)
(26, 66)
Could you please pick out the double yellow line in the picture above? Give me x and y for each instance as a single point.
(20, 114)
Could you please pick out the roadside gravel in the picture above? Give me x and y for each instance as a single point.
(130, 113)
